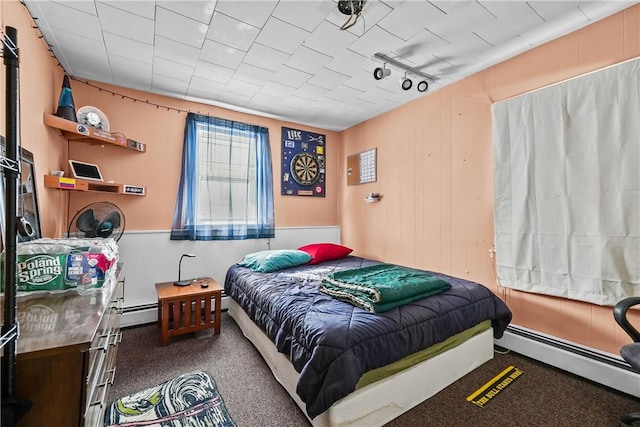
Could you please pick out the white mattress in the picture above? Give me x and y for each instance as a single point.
(379, 402)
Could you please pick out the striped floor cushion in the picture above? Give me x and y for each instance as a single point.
(192, 399)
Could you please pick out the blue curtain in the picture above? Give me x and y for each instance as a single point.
(260, 224)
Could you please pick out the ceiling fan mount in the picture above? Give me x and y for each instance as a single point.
(351, 7)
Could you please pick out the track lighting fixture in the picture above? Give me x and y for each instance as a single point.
(405, 82)
(381, 73)
(422, 86)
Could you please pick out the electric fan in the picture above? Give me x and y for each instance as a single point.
(99, 219)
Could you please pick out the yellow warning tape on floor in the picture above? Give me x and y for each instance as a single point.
(491, 389)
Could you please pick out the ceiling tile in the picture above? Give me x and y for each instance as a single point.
(254, 12)
(375, 40)
(297, 102)
(303, 14)
(399, 97)
(348, 61)
(213, 72)
(264, 102)
(71, 20)
(204, 88)
(462, 20)
(180, 28)
(425, 43)
(128, 48)
(357, 104)
(195, 9)
(176, 51)
(83, 6)
(242, 88)
(92, 58)
(281, 36)
(512, 18)
(361, 81)
(127, 72)
(265, 57)
(595, 10)
(232, 98)
(343, 93)
(309, 91)
(328, 79)
(126, 24)
(307, 60)
(277, 90)
(169, 86)
(464, 45)
(548, 9)
(327, 38)
(144, 8)
(409, 19)
(290, 77)
(220, 54)
(232, 32)
(249, 73)
(328, 104)
(175, 70)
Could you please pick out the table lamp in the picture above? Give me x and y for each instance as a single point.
(183, 282)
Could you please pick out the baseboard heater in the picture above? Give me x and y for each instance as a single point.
(143, 314)
(595, 365)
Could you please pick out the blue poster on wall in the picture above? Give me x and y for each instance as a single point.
(303, 157)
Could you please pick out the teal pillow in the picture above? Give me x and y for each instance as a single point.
(274, 260)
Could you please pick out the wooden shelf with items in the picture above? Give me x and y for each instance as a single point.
(74, 131)
(76, 184)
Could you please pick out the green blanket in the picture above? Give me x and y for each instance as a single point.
(379, 288)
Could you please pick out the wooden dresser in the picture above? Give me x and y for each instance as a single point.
(66, 355)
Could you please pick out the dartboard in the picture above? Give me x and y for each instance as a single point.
(304, 169)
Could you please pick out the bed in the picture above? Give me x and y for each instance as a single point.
(345, 366)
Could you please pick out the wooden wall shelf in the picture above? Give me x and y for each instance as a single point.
(87, 185)
(83, 133)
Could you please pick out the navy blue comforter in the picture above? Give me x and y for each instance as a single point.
(332, 343)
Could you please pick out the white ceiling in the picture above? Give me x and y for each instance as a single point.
(289, 59)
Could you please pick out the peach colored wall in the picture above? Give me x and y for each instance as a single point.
(159, 168)
(39, 74)
(435, 175)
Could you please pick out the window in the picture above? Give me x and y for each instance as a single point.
(226, 186)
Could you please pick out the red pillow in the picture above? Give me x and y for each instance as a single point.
(325, 251)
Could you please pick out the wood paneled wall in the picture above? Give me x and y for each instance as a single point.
(435, 175)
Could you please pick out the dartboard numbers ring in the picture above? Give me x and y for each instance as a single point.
(305, 169)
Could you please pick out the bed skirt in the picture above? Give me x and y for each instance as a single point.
(380, 402)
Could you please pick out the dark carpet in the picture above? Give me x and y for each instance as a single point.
(542, 396)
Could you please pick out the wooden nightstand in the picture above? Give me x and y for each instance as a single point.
(184, 309)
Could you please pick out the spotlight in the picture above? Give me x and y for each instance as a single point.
(406, 83)
(422, 86)
(381, 73)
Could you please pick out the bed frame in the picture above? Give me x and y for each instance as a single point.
(379, 402)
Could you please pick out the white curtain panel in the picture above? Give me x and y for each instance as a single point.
(567, 187)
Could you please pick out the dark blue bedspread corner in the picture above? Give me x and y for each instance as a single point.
(502, 319)
(332, 343)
